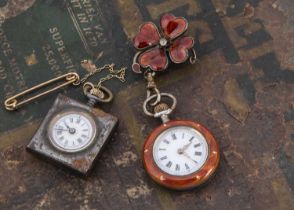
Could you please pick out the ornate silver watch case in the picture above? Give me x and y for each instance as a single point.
(64, 149)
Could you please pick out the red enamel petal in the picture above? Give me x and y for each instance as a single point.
(173, 26)
(147, 36)
(178, 51)
(154, 58)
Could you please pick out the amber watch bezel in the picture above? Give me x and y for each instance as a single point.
(181, 182)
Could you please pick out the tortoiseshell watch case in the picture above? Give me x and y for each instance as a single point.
(181, 182)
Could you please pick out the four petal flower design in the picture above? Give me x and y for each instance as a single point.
(156, 46)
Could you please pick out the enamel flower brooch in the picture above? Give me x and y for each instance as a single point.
(157, 48)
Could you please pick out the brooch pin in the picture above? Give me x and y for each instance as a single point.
(179, 154)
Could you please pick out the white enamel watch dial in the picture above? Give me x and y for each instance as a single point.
(180, 151)
(72, 131)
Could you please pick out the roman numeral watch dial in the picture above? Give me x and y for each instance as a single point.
(180, 154)
(72, 131)
(180, 151)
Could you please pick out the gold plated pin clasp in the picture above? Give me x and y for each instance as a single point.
(19, 99)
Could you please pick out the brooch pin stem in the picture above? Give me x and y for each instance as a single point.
(15, 101)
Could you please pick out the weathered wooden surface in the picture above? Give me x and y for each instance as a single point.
(242, 89)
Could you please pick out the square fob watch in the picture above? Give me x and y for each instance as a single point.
(73, 134)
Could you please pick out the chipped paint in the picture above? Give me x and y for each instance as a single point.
(136, 192)
(14, 8)
(130, 17)
(31, 59)
(235, 102)
(278, 19)
(158, 9)
(126, 159)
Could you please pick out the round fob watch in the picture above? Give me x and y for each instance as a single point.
(180, 154)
